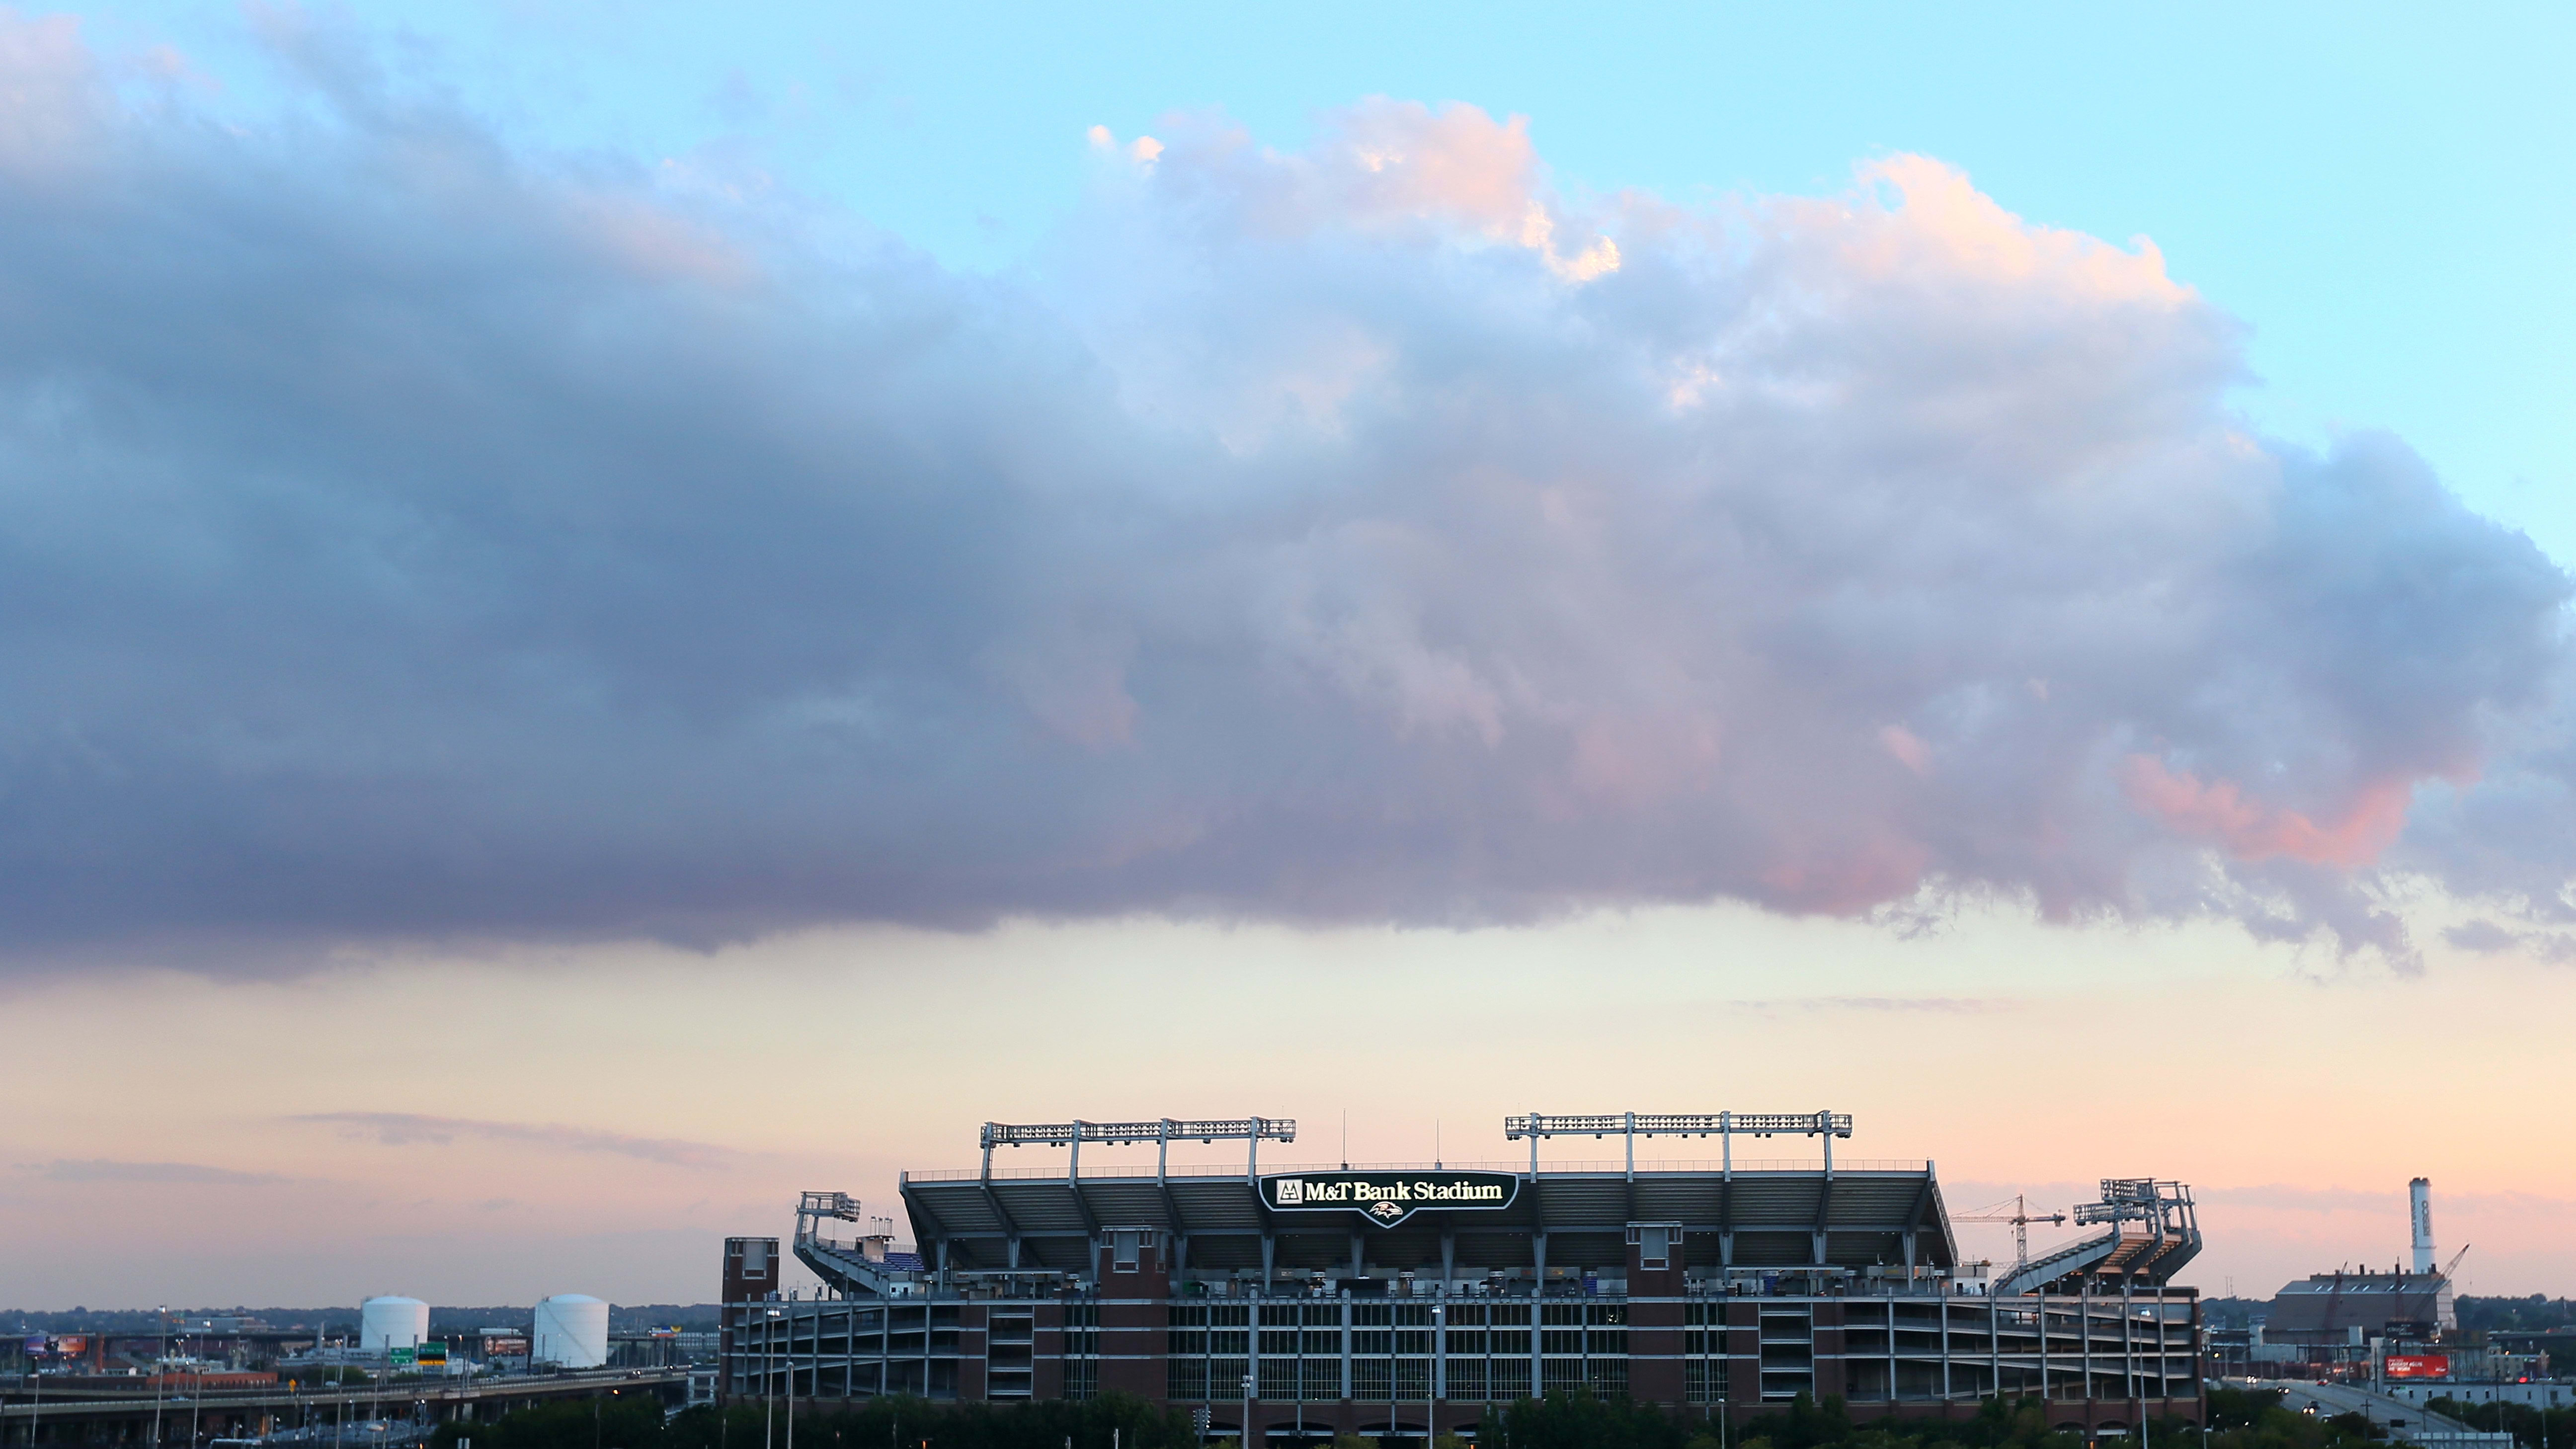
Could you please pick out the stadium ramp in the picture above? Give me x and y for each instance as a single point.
(2153, 1231)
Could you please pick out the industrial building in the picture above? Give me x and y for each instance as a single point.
(1408, 1300)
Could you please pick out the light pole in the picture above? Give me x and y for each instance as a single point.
(768, 1375)
(1431, 1381)
(160, 1352)
(1243, 1439)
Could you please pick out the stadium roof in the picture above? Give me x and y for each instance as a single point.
(1776, 1214)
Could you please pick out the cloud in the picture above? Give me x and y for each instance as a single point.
(406, 536)
(2481, 936)
(99, 1169)
(407, 1129)
(1935, 1005)
(2487, 938)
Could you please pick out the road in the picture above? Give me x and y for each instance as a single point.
(2405, 1421)
(97, 1411)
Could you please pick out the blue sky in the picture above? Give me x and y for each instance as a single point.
(2376, 191)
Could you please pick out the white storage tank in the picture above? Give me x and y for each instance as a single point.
(571, 1329)
(392, 1322)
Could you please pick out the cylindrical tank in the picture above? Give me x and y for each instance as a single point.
(392, 1322)
(571, 1329)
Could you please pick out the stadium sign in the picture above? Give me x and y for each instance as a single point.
(1388, 1198)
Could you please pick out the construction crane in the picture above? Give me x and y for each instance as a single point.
(2021, 1217)
(2431, 1312)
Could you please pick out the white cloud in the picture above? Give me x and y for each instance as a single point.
(403, 536)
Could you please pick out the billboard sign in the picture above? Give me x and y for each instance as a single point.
(2419, 1366)
(1388, 1198)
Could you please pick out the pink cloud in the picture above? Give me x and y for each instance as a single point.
(2222, 813)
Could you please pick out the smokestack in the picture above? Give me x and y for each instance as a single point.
(2420, 1197)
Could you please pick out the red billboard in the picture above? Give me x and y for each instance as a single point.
(2419, 1366)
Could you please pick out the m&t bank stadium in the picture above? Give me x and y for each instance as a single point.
(1302, 1301)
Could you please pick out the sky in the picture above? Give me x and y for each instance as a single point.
(611, 612)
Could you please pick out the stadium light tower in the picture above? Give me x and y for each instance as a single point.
(1723, 1125)
(1163, 1131)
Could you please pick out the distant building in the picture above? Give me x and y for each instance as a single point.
(2336, 1310)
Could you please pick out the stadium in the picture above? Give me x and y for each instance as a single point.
(1403, 1301)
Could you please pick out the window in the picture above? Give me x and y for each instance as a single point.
(1413, 1378)
(1702, 1381)
(1225, 1377)
(1372, 1379)
(1466, 1378)
(1321, 1377)
(1126, 1249)
(1654, 1245)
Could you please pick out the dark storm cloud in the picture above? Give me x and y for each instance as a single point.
(406, 537)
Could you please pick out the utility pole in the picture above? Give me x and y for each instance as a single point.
(160, 1352)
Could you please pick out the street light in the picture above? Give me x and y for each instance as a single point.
(1243, 1439)
(161, 1315)
(768, 1372)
